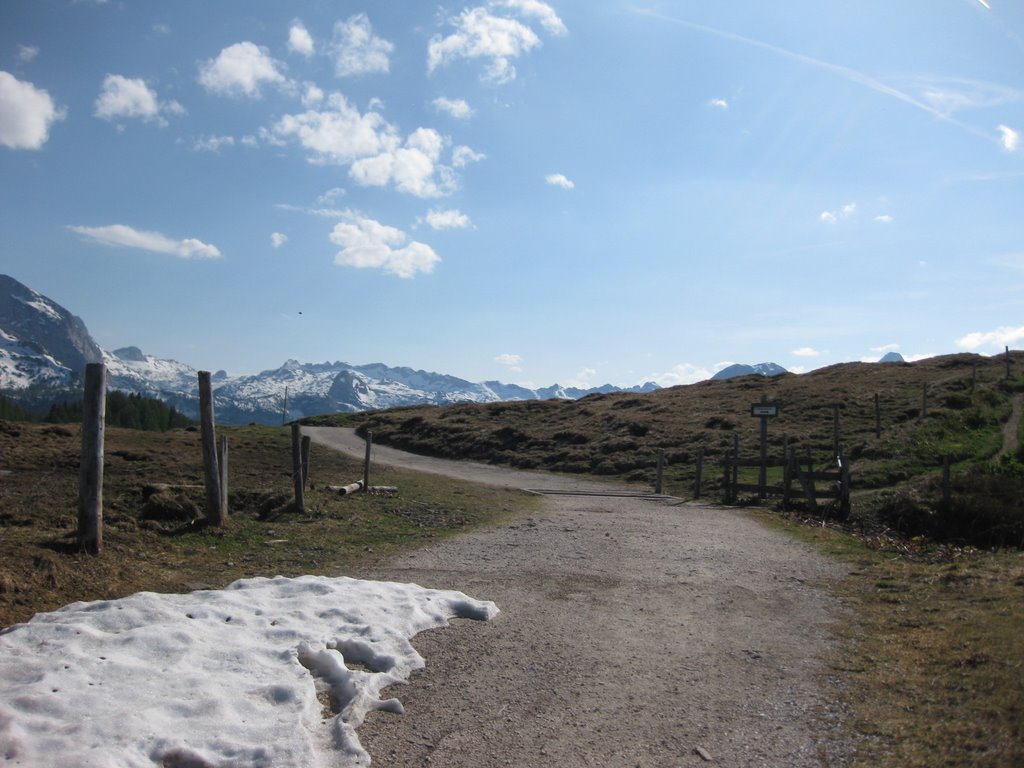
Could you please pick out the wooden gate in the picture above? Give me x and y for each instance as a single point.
(814, 484)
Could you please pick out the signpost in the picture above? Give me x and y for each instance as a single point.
(764, 411)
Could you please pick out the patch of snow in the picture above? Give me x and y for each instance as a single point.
(41, 305)
(22, 365)
(214, 678)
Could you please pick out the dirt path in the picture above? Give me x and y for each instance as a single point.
(633, 633)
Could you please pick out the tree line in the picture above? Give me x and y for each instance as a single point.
(130, 411)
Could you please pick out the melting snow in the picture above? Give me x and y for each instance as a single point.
(214, 678)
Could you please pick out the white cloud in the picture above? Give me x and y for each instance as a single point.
(356, 50)
(451, 219)
(1000, 337)
(1009, 138)
(719, 103)
(481, 35)
(457, 108)
(332, 194)
(312, 96)
(26, 113)
(212, 143)
(534, 9)
(337, 134)
(411, 168)
(884, 218)
(831, 217)
(512, 362)
(368, 244)
(509, 359)
(277, 239)
(128, 237)
(684, 373)
(559, 180)
(299, 39)
(27, 53)
(582, 379)
(805, 352)
(463, 156)
(123, 97)
(886, 348)
(240, 69)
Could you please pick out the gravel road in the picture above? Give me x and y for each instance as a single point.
(632, 632)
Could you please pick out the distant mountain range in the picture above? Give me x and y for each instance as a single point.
(44, 350)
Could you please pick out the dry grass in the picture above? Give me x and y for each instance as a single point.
(932, 658)
(41, 570)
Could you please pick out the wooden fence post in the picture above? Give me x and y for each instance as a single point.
(222, 464)
(1007, 361)
(661, 470)
(214, 508)
(733, 492)
(700, 471)
(844, 486)
(306, 442)
(300, 501)
(787, 474)
(366, 462)
(90, 482)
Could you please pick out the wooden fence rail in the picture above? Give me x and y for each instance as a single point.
(813, 484)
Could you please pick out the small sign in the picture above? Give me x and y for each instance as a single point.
(764, 410)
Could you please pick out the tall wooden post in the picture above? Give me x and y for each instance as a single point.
(306, 442)
(300, 500)
(366, 461)
(211, 470)
(733, 493)
(1007, 361)
(762, 472)
(222, 464)
(90, 482)
(878, 418)
(661, 470)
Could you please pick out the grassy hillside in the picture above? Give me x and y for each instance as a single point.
(969, 400)
(930, 664)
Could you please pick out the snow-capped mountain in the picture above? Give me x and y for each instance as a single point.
(42, 344)
(739, 369)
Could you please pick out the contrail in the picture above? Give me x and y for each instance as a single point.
(846, 73)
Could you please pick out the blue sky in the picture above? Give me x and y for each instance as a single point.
(581, 192)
